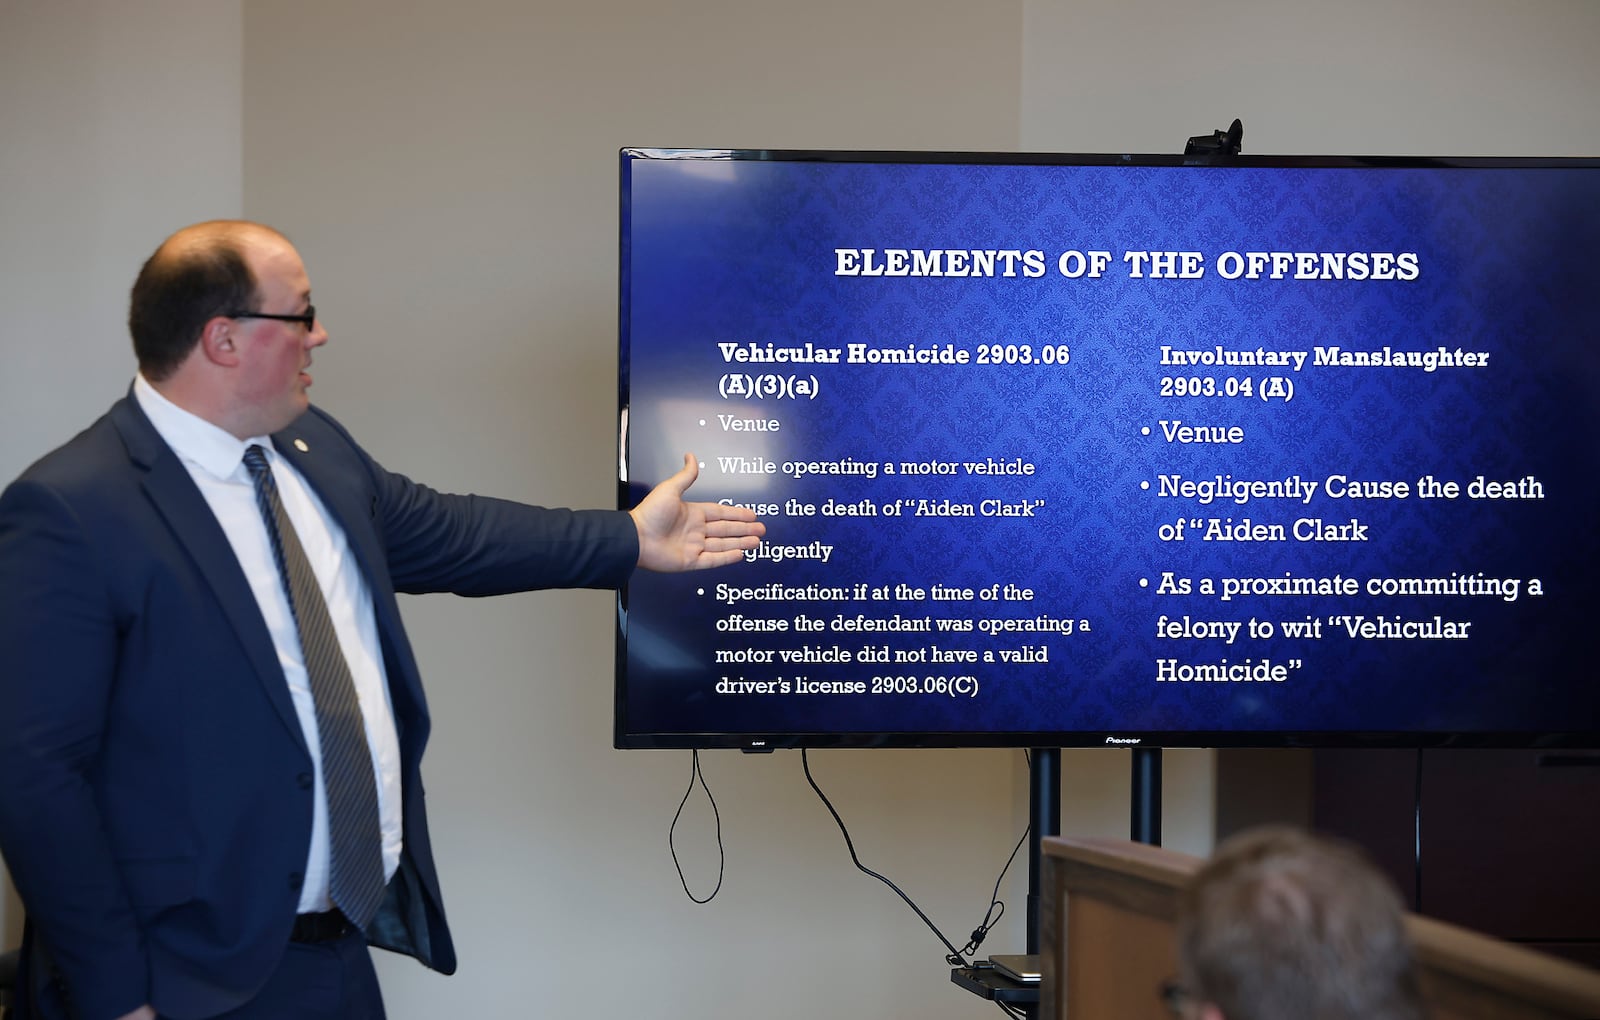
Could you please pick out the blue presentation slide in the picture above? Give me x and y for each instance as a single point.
(1085, 452)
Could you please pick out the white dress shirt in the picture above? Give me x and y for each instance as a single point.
(215, 460)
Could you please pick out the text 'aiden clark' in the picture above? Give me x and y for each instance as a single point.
(896, 508)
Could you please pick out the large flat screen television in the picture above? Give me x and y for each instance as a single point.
(1073, 450)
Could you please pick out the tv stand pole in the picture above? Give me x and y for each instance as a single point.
(1044, 819)
(1044, 814)
(1145, 824)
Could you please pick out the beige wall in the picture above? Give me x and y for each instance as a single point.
(1423, 77)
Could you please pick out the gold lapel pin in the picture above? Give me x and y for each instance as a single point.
(300, 444)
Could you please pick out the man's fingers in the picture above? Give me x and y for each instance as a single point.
(735, 529)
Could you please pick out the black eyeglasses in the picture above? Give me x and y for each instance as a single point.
(1176, 997)
(307, 319)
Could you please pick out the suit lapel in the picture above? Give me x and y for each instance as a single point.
(194, 526)
(350, 503)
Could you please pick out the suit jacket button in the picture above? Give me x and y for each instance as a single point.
(296, 880)
(304, 779)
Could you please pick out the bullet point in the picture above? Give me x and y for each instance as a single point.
(1144, 582)
(699, 591)
(1144, 485)
(1145, 431)
(702, 423)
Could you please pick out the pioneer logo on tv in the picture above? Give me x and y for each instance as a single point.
(1123, 740)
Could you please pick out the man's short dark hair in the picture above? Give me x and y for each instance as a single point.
(1283, 924)
(195, 276)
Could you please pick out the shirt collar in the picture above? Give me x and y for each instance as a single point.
(195, 440)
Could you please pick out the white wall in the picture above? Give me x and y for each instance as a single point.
(117, 122)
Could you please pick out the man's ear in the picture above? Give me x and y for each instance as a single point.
(219, 340)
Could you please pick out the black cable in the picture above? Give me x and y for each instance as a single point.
(722, 853)
(1010, 1010)
(982, 931)
(955, 959)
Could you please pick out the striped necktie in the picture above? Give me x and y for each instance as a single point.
(355, 845)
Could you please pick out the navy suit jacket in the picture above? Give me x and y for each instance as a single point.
(155, 787)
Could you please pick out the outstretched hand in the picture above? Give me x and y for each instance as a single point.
(678, 535)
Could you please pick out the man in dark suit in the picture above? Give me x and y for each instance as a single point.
(174, 785)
